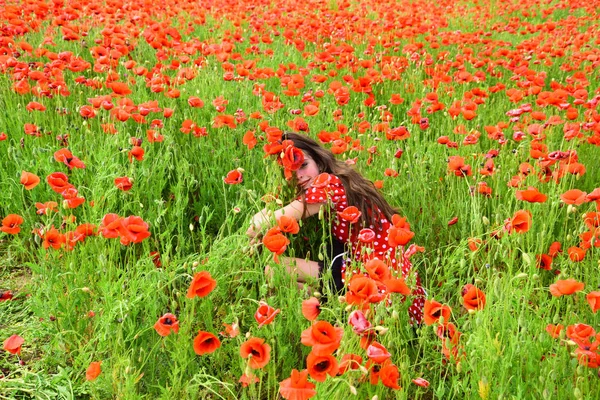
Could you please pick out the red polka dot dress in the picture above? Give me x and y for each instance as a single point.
(334, 193)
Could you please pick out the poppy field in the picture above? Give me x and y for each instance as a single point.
(138, 139)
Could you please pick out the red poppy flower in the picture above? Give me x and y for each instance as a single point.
(58, 182)
(397, 284)
(593, 299)
(136, 152)
(123, 183)
(256, 351)
(133, 229)
(323, 337)
(434, 310)
(421, 382)
(321, 181)
(554, 249)
(349, 361)
(520, 222)
(311, 308)
(110, 226)
(377, 270)
(233, 177)
(473, 298)
(297, 386)
(93, 371)
(265, 314)
(580, 333)
(66, 157)
(13, 344)
(399, 236)
(247, 380)
(531, 195)
(231, 330)
(201, 285)
(53, 238)
(576, 254)
(566, 287)
(377, 352)
(321, 365)
(350, 214)
(366, 235)
(574, 196)
(44, 208)
(4, 296)
(195, 102)
(554, 330)
(453, 221)
(360, 324)
(389, 375)
(363, 289)
(11, 224)
(544, 261)
(275, 242)
(29, 180)
(206, 343)
(288, 224)
(292, 157)
(166, 324)
(71, 198)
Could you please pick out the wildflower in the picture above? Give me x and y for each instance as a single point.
(93, 371)
(297, 387)
(256, 351)
(566, 287)
(13, 344)
(202, 284)
(166, 324)
(11, 224)
(206, 343)
(265, 314)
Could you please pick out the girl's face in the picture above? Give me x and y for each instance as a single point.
(307, 173)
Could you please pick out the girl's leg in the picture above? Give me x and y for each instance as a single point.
(304, 271)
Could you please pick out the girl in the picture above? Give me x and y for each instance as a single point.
(361, 240)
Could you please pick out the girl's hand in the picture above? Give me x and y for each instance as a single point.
(258, 221)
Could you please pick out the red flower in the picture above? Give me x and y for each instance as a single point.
(321, 365)
(520, 222)
(377, 353)
(377, 270)
(13, 344)
(366, 235)
(166, 324)
(554, 330)
(136, 152)
(43, 208)
(389, 376)
(233, 177)
(593, 299)
(109, 228)
(350, 214)
(256, 351)
(201, 285)
(360, 324)
(275, 241)
(311, 308)
(297, 387)
(531, 195)
(574, 196)
(29, 180)
(133, 229)
(53, 238)
(66, 157)
(421, 382)
(205, 343)
(265, 314)
(323, 337)
(349, 361)
(399, 236)
(123, 183)
(288, 224)
(58, 182)
(93, 371)
(11, 224)
(566, 287)
(434, 310)
(473, 298)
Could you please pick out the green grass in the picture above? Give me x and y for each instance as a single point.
(99, 302)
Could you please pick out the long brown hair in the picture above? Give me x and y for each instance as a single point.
(360, 192)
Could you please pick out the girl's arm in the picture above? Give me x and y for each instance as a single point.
(294, 209)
